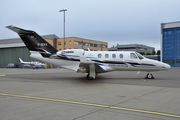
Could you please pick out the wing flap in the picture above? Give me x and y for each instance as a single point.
(105, 68)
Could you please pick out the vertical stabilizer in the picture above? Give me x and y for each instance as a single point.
(20, 60)
(34, 42)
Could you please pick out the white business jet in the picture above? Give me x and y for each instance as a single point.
(35, 65)
(90, 62)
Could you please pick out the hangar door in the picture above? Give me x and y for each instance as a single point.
(11, 55)
(171, 46)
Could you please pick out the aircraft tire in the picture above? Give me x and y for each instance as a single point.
(89, 77)
(149, 76)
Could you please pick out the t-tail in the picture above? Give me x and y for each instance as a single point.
(34, 42)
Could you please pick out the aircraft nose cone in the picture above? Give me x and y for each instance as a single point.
(166, 66)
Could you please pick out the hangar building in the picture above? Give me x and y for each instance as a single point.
(170, 43)
(12, 49)
(143, 49)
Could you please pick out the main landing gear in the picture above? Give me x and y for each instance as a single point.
(90, 77)
(149, 76)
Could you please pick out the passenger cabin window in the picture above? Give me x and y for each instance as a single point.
(120, 55)
(99, 55)
(113, 55)
(133, 56)
(106, 55)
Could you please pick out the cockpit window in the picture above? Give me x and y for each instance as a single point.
(133, 56)
(139, 55)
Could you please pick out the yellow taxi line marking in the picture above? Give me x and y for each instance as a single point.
(1, 75)
(93, 105)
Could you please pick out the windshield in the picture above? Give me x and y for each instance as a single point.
(133, 56)
(139, 55)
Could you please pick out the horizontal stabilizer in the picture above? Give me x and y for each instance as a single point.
(54, 56)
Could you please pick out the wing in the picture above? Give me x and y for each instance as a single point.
(100, 65)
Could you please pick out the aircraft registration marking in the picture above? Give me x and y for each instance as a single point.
(93, 105)
(41, 44)
(118, 65)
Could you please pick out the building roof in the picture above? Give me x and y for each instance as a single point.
(170, 25)
(133, 45)
(130, 45)
(85, 39)
(17, 42)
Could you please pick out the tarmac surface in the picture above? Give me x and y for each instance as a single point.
(55, 94)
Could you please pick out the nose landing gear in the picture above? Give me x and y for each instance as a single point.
(149, 76)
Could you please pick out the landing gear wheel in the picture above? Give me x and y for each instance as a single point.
(89, 77)
(149, 76)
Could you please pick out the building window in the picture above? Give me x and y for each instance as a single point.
(106, 55)
(78, 43)
(86, 44)
(91, 44)
(75, 42)
(59, 43)
(113, 55)
(69, 42)
(103, 46)
(95, 45)
(99, 55)
(121, 55)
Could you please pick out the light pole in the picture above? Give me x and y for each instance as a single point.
(64, 10)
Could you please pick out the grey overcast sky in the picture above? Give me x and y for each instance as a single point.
(113, 21)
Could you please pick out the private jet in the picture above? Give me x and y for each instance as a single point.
(90, 62)
(34, 65)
